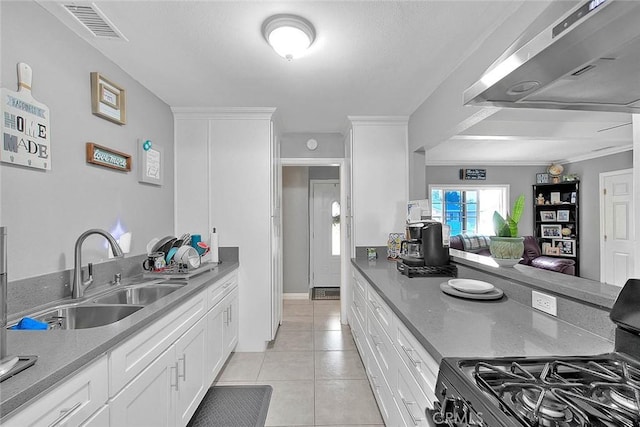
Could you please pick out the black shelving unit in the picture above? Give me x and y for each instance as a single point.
(557, 220)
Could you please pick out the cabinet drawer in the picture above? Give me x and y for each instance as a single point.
(381, 311)
(359, 306)
(217, 291)
(70, 403)
(135, 354)
(359, 284)
(381, 346)
(382, 393)
(419, 362)
(411, 401)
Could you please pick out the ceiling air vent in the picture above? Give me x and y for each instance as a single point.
(94, 20)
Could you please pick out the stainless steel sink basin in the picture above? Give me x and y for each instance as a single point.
(85, 316)
(139, 295)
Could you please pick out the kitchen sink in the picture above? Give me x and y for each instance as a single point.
(138, 295)
(80, 316)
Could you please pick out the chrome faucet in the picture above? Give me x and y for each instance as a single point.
(78, 287)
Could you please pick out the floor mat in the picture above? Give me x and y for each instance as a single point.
(325, 293)
(233, 406)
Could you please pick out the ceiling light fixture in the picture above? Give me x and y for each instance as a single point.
(289, 35)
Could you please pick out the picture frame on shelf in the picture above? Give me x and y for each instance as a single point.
(545, 248)
(551, 231)
(563, 216)
(566, 247)
(542, 178)
(554, 197)
(552, 250)
(548, 216)
(573, 198)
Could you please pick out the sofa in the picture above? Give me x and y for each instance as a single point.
(532, 255)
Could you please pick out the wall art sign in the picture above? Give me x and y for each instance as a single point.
(106, 157)
(26, 134)
(473, 174)
(150, 158)
(107, 99)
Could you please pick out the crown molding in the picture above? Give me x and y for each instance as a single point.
(485, 163)
(245, 113)
(379, 120)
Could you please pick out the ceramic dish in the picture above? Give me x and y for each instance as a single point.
(152, 244)
(189, 256)
(165, 248)
(491, 295)
(171, 254)
(471, 286)
(160, 243)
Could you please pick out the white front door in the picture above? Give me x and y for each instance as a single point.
(617, 225)
(325, 233)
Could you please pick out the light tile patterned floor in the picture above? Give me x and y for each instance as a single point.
(314, 368)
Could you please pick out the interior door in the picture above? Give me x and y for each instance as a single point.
(617, 224)
(325, 233)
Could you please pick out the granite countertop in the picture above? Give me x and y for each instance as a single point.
(63, 352)
(448, 326)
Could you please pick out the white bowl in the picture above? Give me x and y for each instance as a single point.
(504, 262)
(189, 256)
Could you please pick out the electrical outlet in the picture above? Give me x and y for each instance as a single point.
(544, 302)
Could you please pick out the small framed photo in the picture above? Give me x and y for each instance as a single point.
(563, 216)
(573, 198)
(550, 231)
(542, 178)
(566, 247)
(548, 216)
(545, 248)
(555, 197)
(552, 250)
(107, 99)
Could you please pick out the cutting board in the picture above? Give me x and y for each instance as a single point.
(26, 136)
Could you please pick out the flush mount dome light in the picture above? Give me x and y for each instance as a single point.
(289, 35)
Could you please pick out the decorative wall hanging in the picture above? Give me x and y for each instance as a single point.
(108, 158)
(150, 158)
(26, 138)
(107, 99)
(473, 174)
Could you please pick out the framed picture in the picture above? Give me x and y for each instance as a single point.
(563, 216)
(107, 99)
(550, 231)
(573, 197)
(555, 197)
(150, 163)
(552, 250)
(566, 247)
(545, 248)
(547, 216)
(542, 178)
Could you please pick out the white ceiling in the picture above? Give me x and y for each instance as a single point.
(369, 58)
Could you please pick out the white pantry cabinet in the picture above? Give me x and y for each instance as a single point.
(226, 166)
(72, 403)
(401, 372)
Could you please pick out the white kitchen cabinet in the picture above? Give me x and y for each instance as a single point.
(401, 372)
(149, 400)
(235, 153)
(69, 404)
(230, 331)
(100, 418)
(193, 383)
(215, 347)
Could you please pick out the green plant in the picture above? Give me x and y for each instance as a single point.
(509, 227)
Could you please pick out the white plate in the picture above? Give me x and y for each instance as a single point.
(471, 286)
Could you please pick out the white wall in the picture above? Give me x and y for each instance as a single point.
(379, 178)
(294, 145)
(295, 228)
(45, 212)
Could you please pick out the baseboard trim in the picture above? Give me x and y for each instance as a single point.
(300, 295)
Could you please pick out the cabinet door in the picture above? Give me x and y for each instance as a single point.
(215, 346)
(148, 400)
(192, 371)
(70, 403)
(231, 322)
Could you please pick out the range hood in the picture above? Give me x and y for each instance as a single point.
(589, 59)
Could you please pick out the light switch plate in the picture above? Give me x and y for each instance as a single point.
(544, 302)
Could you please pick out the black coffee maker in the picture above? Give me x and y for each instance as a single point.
(428, 237)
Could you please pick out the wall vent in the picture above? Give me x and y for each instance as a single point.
(94, 20)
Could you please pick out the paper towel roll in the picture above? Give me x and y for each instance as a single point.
(213, 244)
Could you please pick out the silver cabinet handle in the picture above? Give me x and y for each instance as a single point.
(184, 367)
(64, 414)
(176, 385)
(226, 316)
(406, 404)
(231, 314)
(408, 352)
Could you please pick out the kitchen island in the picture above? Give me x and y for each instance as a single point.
(62, 353)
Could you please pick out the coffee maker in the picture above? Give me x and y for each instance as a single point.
(426, 245)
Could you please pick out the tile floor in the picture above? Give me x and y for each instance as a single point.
(314, 368)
